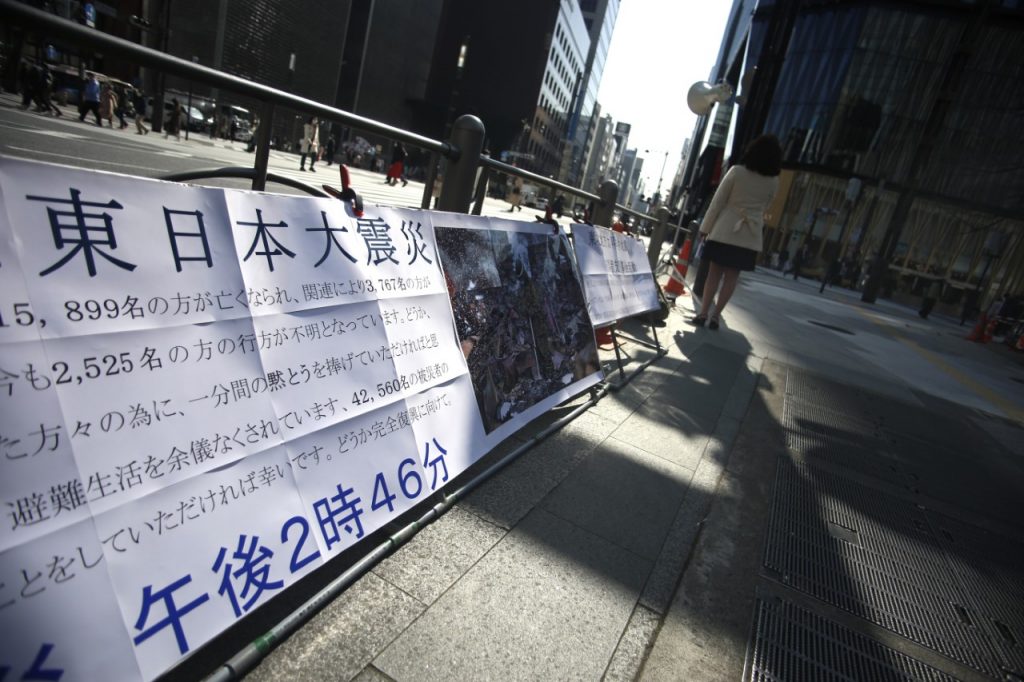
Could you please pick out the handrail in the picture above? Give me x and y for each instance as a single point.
(242, 172)
(508, 169)
(534, 177)
(62, 28)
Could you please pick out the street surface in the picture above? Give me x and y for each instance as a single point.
(65, 140)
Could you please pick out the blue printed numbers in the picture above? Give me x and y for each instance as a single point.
(298, 562)
(411, 479)
(408, 477)
(382, 497)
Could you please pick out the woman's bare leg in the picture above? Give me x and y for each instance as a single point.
(710, 288)
(730, 277)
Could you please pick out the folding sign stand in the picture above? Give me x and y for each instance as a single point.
(660, 351)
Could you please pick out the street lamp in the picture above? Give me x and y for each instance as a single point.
(664, 162)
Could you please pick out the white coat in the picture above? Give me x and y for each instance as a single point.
(310, 138)
(736, 213)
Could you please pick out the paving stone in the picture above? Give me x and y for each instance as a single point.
(344, 637)
(550, 601)
(371, 674)
(633, 647)
(668, 432)
(439, 554)
(627, 496)
(679, 541)
(508, 497)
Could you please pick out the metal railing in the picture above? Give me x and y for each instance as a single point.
(466, 173)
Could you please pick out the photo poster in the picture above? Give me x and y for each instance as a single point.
(616, 274)
(205, 394)
(520, 317)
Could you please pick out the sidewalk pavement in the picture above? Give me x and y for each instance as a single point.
(722, 516)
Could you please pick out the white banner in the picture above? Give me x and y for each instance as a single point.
(206, 394)
(188, 561)
(170, 358)
(58, 612)
(616, 274)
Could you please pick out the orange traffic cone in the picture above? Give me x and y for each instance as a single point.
(979, 328)
(603, 336)
(990, 329)
(677, 278)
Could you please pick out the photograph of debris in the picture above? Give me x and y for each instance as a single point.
(520, 316)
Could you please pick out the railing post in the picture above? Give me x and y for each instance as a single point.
(428, 182)
(604, 211)
(657, 236)
(262, 161)
(460, 171)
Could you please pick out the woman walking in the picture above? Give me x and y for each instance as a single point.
(310, 144)
(172, 126)
(734, 223)
(108, 104)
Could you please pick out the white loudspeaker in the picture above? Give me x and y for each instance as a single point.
(702, 95)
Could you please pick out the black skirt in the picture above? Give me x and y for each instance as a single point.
(729, 256)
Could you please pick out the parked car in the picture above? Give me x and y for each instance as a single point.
(231, 117)
(197, 122)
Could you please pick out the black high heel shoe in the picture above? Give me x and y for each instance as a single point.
(713, 324)
(698, 321)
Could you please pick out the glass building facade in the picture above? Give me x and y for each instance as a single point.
(932, 98)
(917, 101)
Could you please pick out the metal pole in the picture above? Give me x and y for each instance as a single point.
(259, 181)
(460, 171)
(604, 210)
(880, 266)
(839, 245)
(188, 107)
(428, 182)
(657, 236)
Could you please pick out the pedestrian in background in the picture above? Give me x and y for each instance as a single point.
(140, 112)
(173, 124)
(734, 224)
(108, 104)
(515, 197)
(802, 255)
(396, 171)
(930, 298)
(90, 98)
(121, 107)
(29, 73)
(330, 148)
(310, 144)
(45, 94)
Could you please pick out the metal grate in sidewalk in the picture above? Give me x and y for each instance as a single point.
(991, 567)
(828, 394)
(791, 643)
(799, 414)
(874, 556)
